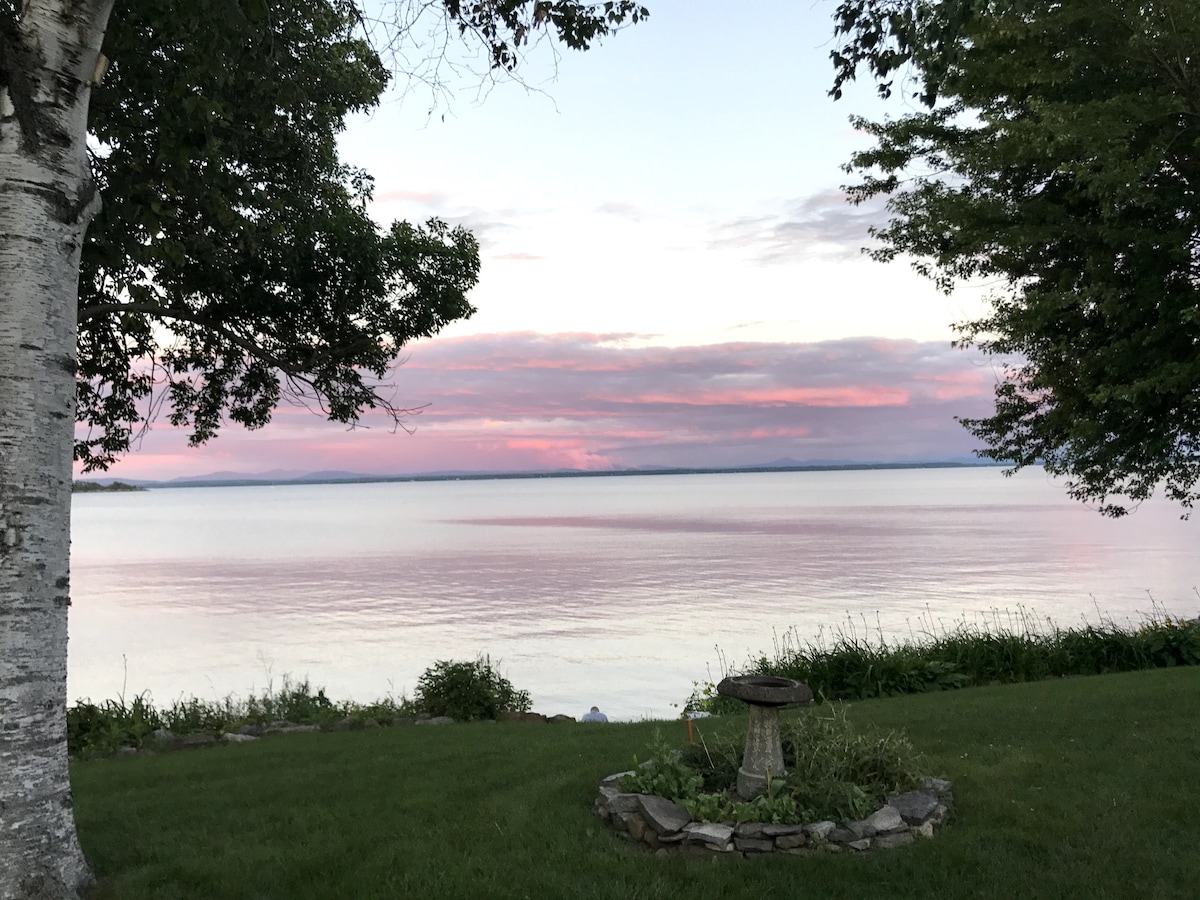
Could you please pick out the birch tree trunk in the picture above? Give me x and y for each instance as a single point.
(48, 58)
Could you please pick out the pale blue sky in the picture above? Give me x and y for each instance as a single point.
(681, 180)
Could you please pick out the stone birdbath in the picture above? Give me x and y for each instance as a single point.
(765, 694)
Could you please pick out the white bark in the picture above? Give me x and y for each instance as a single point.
(46, 201)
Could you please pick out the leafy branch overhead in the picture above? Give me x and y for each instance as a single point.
(1057, 163)
(916, 37)
(234, 264)
(506, 26)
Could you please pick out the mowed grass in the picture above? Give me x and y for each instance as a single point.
(1082, 787)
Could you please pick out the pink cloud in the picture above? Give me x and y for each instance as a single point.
(849, 395)
(523, 402)
(520, 257)
(966, 383)
(560, 454)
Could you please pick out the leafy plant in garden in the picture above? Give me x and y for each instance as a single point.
(834, 770)
(776, 806)
(709, 807)
(665, 773)
(467, 690)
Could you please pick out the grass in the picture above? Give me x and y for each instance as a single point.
(1074, 788)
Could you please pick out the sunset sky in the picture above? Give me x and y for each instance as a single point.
(671, 275)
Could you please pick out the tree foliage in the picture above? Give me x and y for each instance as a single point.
(504, 27)
(1057, 160)
(234, 263)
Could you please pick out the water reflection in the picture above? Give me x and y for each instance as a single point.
(581, 586)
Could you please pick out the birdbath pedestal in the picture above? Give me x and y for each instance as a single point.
(763, 757)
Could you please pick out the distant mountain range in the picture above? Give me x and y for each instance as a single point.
(285, 476)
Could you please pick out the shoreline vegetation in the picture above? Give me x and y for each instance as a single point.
(357, 478)
(1005, 648)
(449, 690)
(845, 667)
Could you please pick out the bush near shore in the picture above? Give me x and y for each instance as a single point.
(849, 667)
(854, 667)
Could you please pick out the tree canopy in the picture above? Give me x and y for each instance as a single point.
(234, 262)
(1056, 159)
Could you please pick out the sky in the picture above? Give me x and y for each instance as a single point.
(670, 273)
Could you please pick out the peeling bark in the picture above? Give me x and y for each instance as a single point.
(47, 58)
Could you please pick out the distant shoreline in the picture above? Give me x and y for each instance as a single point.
(100, 487)
(251, 481)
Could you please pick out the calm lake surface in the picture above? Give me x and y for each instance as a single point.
(615, 591)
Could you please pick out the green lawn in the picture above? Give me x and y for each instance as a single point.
(1082, 787)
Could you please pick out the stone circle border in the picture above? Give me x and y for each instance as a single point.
(666, 827)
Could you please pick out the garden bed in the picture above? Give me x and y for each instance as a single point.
(665, 826)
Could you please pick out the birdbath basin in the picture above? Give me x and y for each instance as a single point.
(765, 694)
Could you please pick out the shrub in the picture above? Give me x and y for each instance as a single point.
(467, 691)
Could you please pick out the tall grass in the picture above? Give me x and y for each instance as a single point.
(99, 729)
(462, 689)
(1004, 648)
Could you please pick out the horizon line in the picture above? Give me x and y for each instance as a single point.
(251, 480)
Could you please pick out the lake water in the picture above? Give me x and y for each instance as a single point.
(615, 591)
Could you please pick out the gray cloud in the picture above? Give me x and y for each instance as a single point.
(621, 210)
(824, 225)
